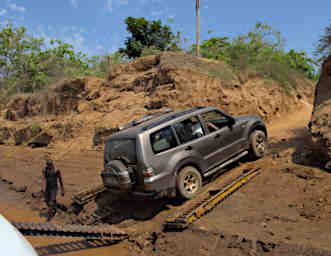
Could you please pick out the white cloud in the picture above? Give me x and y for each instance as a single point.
(3, 12)
(74, 3)
(15, 7)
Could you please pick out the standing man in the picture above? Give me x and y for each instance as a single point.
(51, 175)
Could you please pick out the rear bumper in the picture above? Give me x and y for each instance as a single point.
(121, 185)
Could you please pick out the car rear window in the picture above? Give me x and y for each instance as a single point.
(114, 149)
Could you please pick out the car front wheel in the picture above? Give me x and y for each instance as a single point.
(258, 144)
(189, 182)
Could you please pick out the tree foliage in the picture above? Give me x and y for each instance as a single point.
(27, 65)
(147, 34)
(323, 49)
(259, 50)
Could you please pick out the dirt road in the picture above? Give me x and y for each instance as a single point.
(287, 203)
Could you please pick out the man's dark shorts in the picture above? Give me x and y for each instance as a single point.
(50, 197)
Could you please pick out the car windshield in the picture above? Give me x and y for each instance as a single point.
(115, 149)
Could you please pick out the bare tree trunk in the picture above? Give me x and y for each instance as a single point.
(197, 7)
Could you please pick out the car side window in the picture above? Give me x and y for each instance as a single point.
(163, 140)
(214, 120)
(189, 129)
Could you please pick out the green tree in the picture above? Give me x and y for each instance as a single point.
(323, 49)
(213, 48)
(26, 64)
(146, 34)
(301, 62)
(260, 51)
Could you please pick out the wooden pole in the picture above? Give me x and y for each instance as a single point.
(197, 7)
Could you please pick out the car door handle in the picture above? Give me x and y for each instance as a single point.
(188, 148)
(217, 135)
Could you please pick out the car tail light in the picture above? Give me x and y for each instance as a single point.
(149, 172)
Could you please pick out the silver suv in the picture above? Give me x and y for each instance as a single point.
(170, 153)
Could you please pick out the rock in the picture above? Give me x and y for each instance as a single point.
(18, 188)
(145, 63)
(71, 86)
(94, 95)
(10, 115)
(41, 140)
(156, 104)
(4, 135)
(6, 181)
(25, 134)
(266, 247)
(38, 194)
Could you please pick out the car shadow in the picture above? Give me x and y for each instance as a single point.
(137, 209)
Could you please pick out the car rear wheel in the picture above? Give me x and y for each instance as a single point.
(189, 182)
(258, 144)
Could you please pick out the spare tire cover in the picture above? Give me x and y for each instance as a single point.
(120, 172)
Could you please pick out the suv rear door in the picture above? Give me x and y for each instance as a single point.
(226, 136)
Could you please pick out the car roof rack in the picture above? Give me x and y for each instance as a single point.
(145, 118)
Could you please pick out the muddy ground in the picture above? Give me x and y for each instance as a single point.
(285, 210)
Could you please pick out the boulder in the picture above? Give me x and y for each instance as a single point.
(71, 86)
(4, 135)
(18, 188)
(146, 63)
(42, 140)
(10, 115)
(24, 135)
(156, 104)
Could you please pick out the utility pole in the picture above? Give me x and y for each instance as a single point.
(197, 7)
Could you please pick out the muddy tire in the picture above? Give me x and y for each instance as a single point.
(258, 143)
(189, 182)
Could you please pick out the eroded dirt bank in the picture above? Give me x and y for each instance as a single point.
(78, 113)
